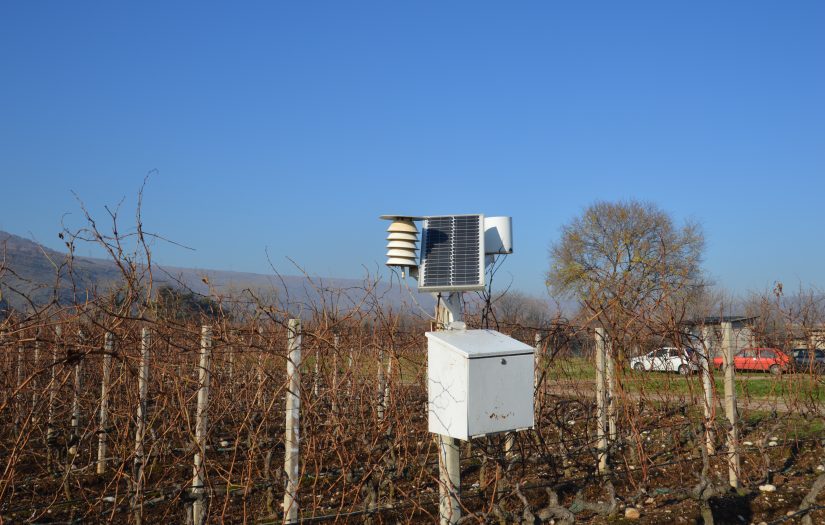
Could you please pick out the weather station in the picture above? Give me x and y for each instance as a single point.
(479, 382)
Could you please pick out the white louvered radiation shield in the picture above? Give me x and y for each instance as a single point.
(402, 239)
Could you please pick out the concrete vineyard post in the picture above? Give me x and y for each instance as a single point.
(293, 408)
(231, 371)
(351, 372)
(316, 377)
(198, 470)
(537, 358)
(50, 426)
(140, 424)
(509, 444)
(35, 363)
(730, 405)
(335, 341)
(610, 370)
(260, 394)
(538, 386)
(381, 380)
(387, 380)
(77, 385)
(19, 401)
(707, 388)
(102, 432)
(601, 408)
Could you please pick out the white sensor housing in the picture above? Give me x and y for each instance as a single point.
(402, 241)
(498, 235)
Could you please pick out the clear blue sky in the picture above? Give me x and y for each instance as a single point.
(292, 126)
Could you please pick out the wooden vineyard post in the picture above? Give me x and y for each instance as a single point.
(293, 412)
(102, 432)
(707, 387)
(198, 470)
(601, 408)
(730, 405)
(140, 425)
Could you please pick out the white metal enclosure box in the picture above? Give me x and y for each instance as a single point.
(479, 382)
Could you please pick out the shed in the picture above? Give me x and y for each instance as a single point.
(707, 330)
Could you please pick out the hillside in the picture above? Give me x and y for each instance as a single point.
(30, 270)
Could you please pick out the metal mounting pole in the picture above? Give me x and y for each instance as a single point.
(449, 451)
(449, 474)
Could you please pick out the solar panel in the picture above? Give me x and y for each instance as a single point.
(452, 253)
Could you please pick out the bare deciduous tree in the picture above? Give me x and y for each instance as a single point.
(620, 258)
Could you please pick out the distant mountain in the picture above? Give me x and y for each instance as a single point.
(28, 271)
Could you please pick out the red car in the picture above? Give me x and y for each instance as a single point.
(770, 360)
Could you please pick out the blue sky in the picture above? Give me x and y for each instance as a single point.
(292, 127)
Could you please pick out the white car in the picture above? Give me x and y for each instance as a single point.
(667, 359)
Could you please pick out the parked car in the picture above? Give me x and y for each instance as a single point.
(770, 360)
(809, 360)
(667, 359)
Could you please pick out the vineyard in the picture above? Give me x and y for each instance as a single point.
(159, 420)
(141, 403)
(440, 263)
